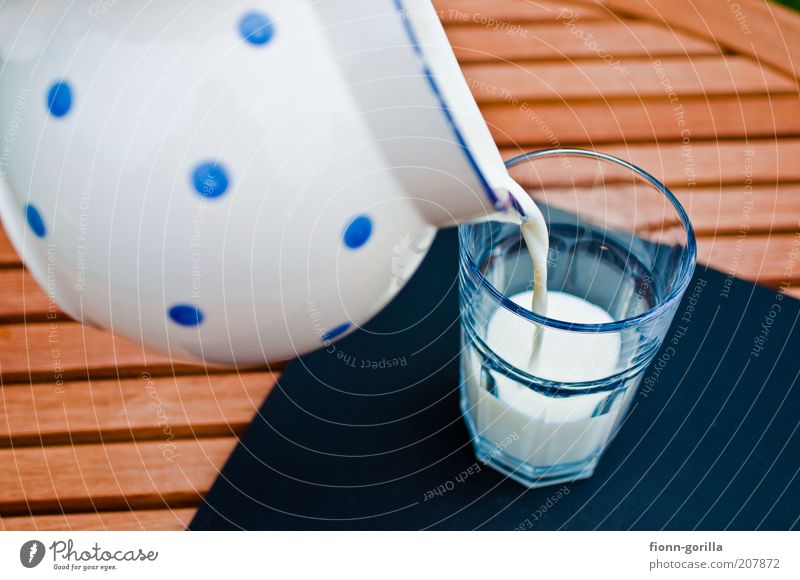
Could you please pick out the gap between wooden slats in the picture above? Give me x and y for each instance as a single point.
(21, 298)
(115, 476)
(157, 408)
(62, 350)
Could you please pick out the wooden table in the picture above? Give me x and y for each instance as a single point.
(96, 433)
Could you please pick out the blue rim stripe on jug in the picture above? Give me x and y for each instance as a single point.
(412, 36)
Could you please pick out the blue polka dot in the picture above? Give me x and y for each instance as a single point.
(186, 314)
(358, 232)
(35, 220)
(59, 99)
(210, 179)
(256, 28)
(335, 332)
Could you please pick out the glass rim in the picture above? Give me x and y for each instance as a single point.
(687, 266)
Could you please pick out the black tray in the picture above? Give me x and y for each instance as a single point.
(369, 436)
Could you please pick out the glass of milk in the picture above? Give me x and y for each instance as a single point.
(621, 254)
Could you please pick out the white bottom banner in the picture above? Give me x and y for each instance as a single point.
(373, 555)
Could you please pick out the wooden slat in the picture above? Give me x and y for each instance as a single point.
(568, 81)
(609, 39)
(768, 32)
(8, 255)
(140, 520)
(734, 162)
(767, 209)
(65, 350)
(794, 291)
(769, 260)
(600, 123)
(481, 12)
(702, 163)
(713, 211)
(115, 476)
(21, 298)
(125, 409)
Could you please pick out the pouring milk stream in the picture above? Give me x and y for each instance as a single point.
(556, 305)
(550, 430)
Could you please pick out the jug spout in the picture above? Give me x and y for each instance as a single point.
(466, 178)
(460, 205)
(418, 107)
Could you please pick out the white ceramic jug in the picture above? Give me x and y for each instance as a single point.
(234, 182)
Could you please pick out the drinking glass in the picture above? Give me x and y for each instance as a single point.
(620, 240)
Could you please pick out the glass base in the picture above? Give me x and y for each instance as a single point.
(490, 454)
(527, 475)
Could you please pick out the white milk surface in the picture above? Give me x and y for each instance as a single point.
(551, 430)
(562, 356)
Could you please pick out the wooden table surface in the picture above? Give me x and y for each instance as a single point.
(96, 433)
